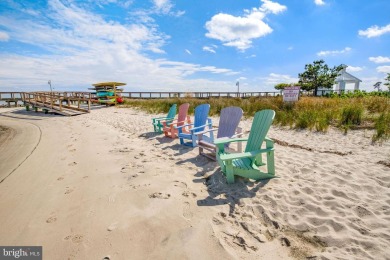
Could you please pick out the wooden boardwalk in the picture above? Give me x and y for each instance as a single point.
(11, 98)
(57, 103)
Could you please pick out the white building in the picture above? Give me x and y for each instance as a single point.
(346, 78)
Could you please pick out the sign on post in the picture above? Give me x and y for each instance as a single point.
(291, 94)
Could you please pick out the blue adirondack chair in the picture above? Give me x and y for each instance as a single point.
(201, 122)
(247, 164)
(157, 125)
(228, 127)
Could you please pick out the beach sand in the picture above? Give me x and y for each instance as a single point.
(104, 186)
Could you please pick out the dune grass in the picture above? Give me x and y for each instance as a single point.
(313, 113)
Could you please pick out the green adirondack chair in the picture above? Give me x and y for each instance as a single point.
(157, 125)
(247, 164)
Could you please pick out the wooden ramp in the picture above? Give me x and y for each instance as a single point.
(57, 103)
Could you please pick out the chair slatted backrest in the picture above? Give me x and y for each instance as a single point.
(229, 119)
(200, 117)
(183, 110)
(262, 122)
(172, 111)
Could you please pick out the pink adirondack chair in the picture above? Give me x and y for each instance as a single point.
(169, 127)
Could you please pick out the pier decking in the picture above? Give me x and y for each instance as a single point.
(53, 102)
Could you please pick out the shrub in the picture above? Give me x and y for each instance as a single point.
(382, 126)
(352, 115)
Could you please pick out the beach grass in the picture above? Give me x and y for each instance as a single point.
(312, 113)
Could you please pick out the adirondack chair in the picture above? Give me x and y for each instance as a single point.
(157, 120)
(228, 127)
(169, 129)
(201, 121)
(247, 164)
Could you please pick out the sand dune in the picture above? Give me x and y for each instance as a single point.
(104, 185)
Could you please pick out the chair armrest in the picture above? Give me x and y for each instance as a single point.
(160, 118)
(179, 127)
(206, 131)
(225, 141)
(231, 156)
(202, 126)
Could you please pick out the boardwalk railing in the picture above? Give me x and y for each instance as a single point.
(54, 101)
(11, 97)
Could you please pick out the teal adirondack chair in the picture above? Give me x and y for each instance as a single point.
(157, 125)
(201, 122)
(247, 164)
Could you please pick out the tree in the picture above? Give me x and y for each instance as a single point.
(388, 81)
(318, 75)
(281, 86)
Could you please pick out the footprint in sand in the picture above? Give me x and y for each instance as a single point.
(132, 176)
(51, 219)
(159, 195)
(68, 191)
(362, 212)
(180, 184)
(187, 211)
(112, 226)
(72, 151)
(72, 164)
(75, 238)
(60, 178)
(189, 194)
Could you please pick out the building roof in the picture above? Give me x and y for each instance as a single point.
(346, 77)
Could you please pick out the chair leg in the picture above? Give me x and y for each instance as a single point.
(271, 163)
(229, 174)
(194, 144)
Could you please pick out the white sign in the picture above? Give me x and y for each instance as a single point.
(291, 94)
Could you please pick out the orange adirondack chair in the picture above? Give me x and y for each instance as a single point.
(169, 126)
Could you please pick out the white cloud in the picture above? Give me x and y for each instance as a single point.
(375, 31)
(272, 7)
(383, 69)
(319, 2)
(4, 37)
(354, 69)
(333, 53)
(379, 59)
(275, 78)
(189, 69)
(163, 5)
(209, 49)
(188, 52)
(124, 4)
(239, 31)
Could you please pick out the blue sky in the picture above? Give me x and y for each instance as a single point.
(188, 45)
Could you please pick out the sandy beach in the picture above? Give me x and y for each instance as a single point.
(104, 186)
